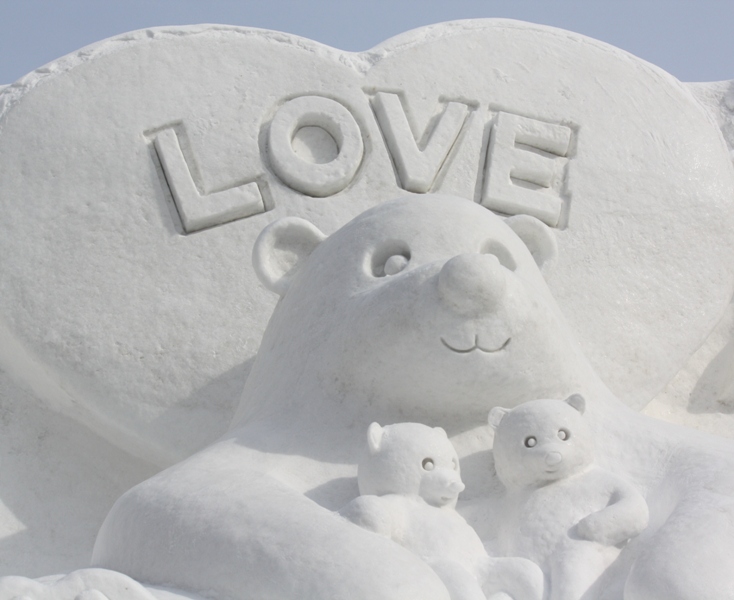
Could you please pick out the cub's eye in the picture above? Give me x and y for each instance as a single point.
(530, 441)
(395, 264)
(455, 464)
(428, 464)
(564, 434)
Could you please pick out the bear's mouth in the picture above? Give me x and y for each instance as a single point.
(475, 346)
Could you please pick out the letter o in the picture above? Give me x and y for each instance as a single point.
(315, 179)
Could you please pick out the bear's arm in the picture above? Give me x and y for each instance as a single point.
(282, 544)
(374, 513)
(625, 517)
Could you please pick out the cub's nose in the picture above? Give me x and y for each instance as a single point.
(553, 458)
(472, 284)
(457, 486)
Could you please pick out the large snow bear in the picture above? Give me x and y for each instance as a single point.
(428, 309)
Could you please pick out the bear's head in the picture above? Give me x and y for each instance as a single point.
(541, 441)
(410, 458)
(421, 308)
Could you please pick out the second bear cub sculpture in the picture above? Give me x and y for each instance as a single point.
(410, 480)
(563, 512)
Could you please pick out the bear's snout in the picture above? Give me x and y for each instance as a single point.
(553, 459)
(448, 479)
(456, 486)
(472, 284)
(441, 486)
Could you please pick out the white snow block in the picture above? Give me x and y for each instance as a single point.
(58, 480)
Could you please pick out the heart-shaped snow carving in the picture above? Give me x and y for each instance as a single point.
(126, 294)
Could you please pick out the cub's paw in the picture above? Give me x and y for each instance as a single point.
(597, 528)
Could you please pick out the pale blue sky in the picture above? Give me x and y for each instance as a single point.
(692, 39)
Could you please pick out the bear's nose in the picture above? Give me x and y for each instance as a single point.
(456, 486)
(553, 458)
(472, 284)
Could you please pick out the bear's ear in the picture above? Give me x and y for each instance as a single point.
(495, 416)
(537, 237)
(374, 437)
(577, 401)
(281, 248)
(442, 431)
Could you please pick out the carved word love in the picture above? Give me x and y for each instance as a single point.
(525, 157)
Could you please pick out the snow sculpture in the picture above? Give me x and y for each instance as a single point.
(84, 584)
(136, 174)
(414, 302)
(563, 513)
(409, 481)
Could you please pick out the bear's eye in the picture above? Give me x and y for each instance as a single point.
(395, 264)
(428, 464)
(455, 464)
(390, 258)
(501, 252)
(530, 441)
(564, 434)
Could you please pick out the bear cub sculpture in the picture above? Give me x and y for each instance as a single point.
(409, 481)
(563, 512)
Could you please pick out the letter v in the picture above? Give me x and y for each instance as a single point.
(417, 167)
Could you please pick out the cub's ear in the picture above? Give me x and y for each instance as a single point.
(280, 250)
(374, 437)
(577, 401)
(442, 431)
(495, 416)
(537, 237)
